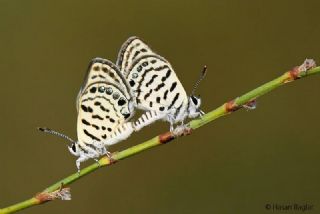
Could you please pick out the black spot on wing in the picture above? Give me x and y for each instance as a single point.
(96, 68)
(101, 76)
(91, 135)
(95, 126)
(159, 86)
(151, 80)
(105, 69)
(165, 94)
(132, 83)
(161, 68)
(85, 122)
(104, 136)
(174, 100)
(126, 115)
(86, 108)
(173, 86)
(104, 109)
(147, 94)
(158, 99)
(95, 116)
(166, 76)
(121, 101)
(101, 89)
(115, 95)
(139, 68)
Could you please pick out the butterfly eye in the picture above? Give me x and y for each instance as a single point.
(194, 100)
(121, 101)
(109, 90)
(102, 89)
(116, 96)
(73, 147)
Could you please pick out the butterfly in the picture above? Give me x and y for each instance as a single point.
(155, 86)
(104, 106)
(111, 93)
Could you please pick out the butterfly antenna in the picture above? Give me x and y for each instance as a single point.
(50, 131)
(202, 75)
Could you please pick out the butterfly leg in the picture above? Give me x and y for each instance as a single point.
(182, 130)
(171, 127)
(100, 149)
(82, 157)
(148, 118)
(87, 153)
(97, 161)
(109, 155)
(170, 119)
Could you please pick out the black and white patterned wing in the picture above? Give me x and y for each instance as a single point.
(132, 49)
(155, 85)
(102, 70)
(104, 103)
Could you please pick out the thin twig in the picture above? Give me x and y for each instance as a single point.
(56, 191)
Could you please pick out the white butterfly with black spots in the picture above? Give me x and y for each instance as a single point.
(155, 86)
(104, 106)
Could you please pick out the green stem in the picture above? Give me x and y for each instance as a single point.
(224, 109)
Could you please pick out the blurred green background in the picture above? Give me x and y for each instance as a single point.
(237, 164)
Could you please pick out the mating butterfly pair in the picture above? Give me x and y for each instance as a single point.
(107, 100)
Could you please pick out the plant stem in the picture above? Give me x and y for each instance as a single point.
(226, 108)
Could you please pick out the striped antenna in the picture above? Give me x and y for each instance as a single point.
(50, 131)
(202, 75)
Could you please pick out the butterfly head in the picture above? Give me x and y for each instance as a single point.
(74, 149)
(194, 107)
(195, 101)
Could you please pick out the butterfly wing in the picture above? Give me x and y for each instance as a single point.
(102, 70)
(156, 86)
(132, 49)
(104, 103)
